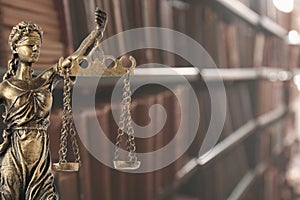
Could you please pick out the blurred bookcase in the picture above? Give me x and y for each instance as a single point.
(247, 39)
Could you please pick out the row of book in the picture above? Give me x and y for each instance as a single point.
(275, 98)
(230, 41)
(225, 38)
(220, 34)
(257, 165)
(96, 179)
(217, 31)
(267, 8)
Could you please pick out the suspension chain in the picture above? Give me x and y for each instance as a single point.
(68, 122)
(125, 123)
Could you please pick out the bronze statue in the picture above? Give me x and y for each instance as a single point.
(24, 154)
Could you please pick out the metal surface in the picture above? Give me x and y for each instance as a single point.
(125, 127)
(24, 154)
(68, 128)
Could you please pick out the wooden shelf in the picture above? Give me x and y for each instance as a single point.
(192, 74)
(234, 35)
(240, 134)
(238, 9)
(247, 181)
(272, 27)
(232, 140)
(240, 74)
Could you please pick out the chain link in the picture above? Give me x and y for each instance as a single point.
(125, 123)
(68, 126)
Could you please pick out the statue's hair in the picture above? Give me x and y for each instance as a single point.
(19, 31)
(23, 29)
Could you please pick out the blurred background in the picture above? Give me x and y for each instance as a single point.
(255, 45)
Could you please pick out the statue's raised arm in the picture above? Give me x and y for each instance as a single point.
(85, 47)
(91, 39)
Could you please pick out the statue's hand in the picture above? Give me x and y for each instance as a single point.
(63, 64)
(101, 19)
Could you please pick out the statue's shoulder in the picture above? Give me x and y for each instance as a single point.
(5, 83)
(6, 88)
(9, 84)
(22, 85)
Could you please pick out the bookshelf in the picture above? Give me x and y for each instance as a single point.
(237, 137)
(258, 21)
(256, 64)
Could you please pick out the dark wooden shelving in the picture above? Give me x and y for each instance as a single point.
(249, 38)
(241, 11)
(238, 136)
(251, 17)
(247, 181)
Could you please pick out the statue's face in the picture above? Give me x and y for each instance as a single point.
(28, 48)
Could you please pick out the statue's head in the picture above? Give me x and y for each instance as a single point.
(24, 40)
(24, 33)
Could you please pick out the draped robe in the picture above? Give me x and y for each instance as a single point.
(24, 156)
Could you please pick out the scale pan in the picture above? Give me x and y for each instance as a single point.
(127, 165)
(66, 167)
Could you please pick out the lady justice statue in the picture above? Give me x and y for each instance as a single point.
(25, 161)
